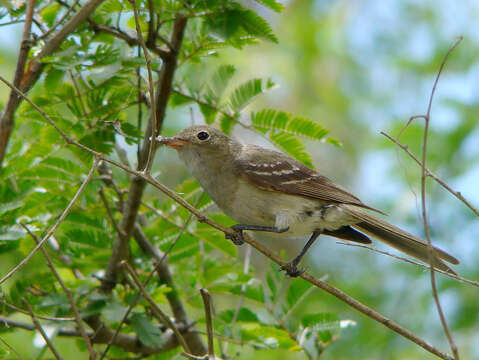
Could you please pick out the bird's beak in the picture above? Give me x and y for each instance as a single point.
(173, 142)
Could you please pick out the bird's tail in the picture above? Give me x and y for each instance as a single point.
(400, 239)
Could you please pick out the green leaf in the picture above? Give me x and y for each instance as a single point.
(217, 240)
(226, 124)
(293, 146)
(272, 4)
(235, 23)
(53, 78)
(296, 290)
(219, 81)
(49, 14)
(209, 113)
(146, 331)
(246, 92)
(269, 336)
(10, 206)
(257, 26)
(269, 119)
(244, 315)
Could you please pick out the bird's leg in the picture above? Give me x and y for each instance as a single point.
(239, 228)
(291, 267)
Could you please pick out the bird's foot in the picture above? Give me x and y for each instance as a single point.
(292, 269)
(236, 238)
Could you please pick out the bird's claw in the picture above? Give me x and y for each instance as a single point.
(236, 238)
(291, 269)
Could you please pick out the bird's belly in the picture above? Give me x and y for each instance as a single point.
(301, 215)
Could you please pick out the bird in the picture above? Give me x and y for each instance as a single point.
(269, 191)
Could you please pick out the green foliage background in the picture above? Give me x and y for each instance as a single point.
(316, 79)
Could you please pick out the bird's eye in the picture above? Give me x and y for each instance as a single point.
(203, 135)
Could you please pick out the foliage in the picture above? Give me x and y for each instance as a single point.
(316, 68)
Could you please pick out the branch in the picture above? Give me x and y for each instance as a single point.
(205, 295)
(457, 277)
(7, 120)
(39, 327)
(429, 173)
(132, 41)
(151, 90)
(104, 334)
(228, 231)
(55, 226)
(192, 338)
(59, 21)
(156, 310)
(68, 294)
(138, 183)
(11, 349)
(427, 118)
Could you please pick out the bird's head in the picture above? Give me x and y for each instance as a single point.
(199, 138)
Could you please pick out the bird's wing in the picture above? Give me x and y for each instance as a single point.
(275, 171)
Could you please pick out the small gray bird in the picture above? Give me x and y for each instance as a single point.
(265, 190)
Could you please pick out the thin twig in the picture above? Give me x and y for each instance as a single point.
(103, 334)
(410, 261)
(68, 294)
(41, 331)
(49, 318)
(156, 310)
(205, 295)
(11, 349)
(265, 251)
(118, 33)
(427, 119)
(151, 89)
(194, 357)
(59, 21)
(159, 265)
(56, 225)
(108, 211)
(246, 264)
(457, 194)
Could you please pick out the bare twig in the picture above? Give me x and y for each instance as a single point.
(55, 226)
(11, 348)
(68, 294)
(118, 33)
(49, 318)
(156, 310)
(103, 335)
(246, 264)
(194, 357)
(138, 183)
(429, 173)
(268, 253)
(151, 90)
(410, 261)
(108, 211)
(41, 331)
(424, 174)
(172, 296)
(59, 21)
(7, 119)
(205, 295)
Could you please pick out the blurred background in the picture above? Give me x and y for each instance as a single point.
(358, 68)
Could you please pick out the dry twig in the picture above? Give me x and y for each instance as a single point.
(55, 226)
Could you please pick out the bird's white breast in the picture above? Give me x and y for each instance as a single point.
(254, 206)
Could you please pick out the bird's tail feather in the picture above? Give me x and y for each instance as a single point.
(400, 239)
